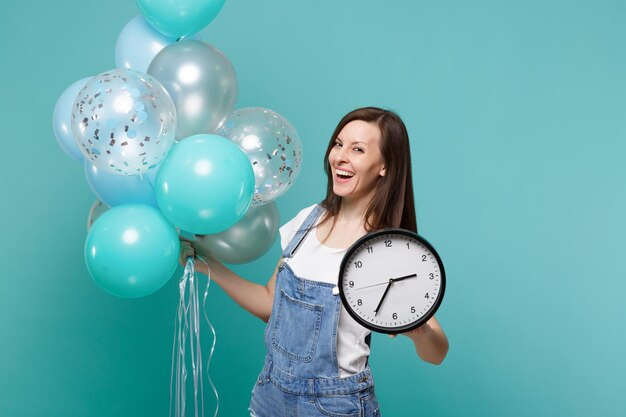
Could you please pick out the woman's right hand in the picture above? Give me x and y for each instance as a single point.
(186, 250)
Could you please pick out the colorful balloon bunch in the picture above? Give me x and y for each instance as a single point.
(165, 152)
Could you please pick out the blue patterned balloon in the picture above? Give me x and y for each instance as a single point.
(124, 121)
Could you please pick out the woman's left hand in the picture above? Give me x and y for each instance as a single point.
(431, 343)
(415, 332)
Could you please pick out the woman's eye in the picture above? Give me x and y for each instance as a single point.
(337, 144)
(358, 149)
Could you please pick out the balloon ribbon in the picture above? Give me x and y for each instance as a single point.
(187, 332)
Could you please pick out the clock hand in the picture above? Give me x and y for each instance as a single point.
(373, 285)
(386, 282)
(404, 277)
(383, 297)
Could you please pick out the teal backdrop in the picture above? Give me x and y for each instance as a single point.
(517, 116)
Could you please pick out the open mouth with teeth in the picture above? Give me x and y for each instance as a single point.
(343, 175)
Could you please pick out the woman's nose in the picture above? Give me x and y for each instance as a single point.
(342, 155)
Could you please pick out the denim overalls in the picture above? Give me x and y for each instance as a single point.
(300, 377)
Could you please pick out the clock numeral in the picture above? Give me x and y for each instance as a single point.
(412, 309)
(431, 276)
(427, 296)
(370, 249)
(395, 316)
(359, 302)
(388, 243)
(423, 258)
(407, 246)
(358, 264)
(351, 283)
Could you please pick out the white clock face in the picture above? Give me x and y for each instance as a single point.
(392, 281)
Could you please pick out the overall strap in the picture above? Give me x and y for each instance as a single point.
(298, 238)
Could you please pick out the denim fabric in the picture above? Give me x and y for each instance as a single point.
(300, 377)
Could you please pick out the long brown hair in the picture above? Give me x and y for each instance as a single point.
(392, 205)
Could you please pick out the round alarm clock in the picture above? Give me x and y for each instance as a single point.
(391, 281)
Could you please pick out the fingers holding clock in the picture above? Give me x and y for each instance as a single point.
(414, 332)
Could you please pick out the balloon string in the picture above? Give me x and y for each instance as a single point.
(176, 327)
(187, 321)
(192, 335)
(199, 350)
(186, 331)
(196, 360)
(176, 346)
(206, 317)
(175, 363)
(182, 342)
(179, 347)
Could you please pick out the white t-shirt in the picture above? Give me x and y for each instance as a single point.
(317, 262)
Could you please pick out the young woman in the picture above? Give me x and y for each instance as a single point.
(316, 363)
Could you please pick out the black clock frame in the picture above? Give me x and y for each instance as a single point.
(380, 329)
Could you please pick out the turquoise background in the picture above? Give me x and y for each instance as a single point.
(516, 112)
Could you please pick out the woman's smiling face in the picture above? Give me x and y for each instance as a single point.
(355, 159)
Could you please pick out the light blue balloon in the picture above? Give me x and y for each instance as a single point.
(131, 250)
(114, 190)
(180, 18)
(62, 120)
(138, 43)
(205, 185)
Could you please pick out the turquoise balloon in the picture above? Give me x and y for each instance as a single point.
(180, 18)
(131, 250)
(205, 185)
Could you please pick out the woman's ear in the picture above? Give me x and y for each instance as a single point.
(382, 172)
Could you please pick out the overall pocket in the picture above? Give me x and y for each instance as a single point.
(338, 405)
(369, 403)
(296, 328)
